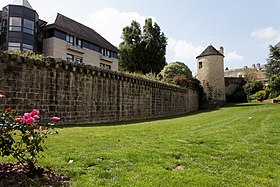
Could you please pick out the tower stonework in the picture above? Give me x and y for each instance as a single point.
(210, 72)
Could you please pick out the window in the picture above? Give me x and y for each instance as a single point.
(69, 57)
(105, 52)
(105, 66)
(27, 47)
(28, 26)
(79, 43)
(200, 65)
(79, 60)
(114, 54)
(15, 24)
(13, 46)
(70, 39)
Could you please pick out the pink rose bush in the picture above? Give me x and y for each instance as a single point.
(22, 136)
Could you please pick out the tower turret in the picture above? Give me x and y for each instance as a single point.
(210, 72)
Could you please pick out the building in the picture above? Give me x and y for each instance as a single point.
(256, 72)
(210, 72)
(21, 29)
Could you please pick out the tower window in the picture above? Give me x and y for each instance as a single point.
(28, 26)
(27, 47)
(13, 46)
(15, 24)
(200, 65)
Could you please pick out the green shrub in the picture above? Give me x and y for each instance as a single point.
(251, 88)
(260, 95)
(274, 86)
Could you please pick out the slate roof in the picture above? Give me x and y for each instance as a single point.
(210, 50)
(24, 3)
(70, 26)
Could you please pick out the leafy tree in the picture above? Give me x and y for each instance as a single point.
(143, 52)
(274, 86)
(175, 69)
(252, 87)
(273, 62)
(250, 75)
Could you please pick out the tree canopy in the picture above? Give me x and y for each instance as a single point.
(273, 62)
(142, 51)
(175, 69)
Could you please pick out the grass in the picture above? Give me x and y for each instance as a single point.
(237, 145)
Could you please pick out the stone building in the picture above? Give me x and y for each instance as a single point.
(210, 72)
(21, 29)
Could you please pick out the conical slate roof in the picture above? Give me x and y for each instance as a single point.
(24, 3)
(210, 50)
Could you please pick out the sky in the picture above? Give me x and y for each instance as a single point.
(245, 28)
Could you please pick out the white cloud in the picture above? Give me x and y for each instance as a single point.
(109, 23)
(269, 34)
(233, 56)
(183, 51)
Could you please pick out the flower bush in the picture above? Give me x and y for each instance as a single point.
(22, 137)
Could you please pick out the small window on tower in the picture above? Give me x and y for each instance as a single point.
(200, 65)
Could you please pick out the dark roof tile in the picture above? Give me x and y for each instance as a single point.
(210, 50)
(73, 27)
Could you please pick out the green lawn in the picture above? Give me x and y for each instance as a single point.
(237, 145)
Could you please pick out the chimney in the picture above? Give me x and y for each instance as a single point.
(221, 50)
(258, 66)
(254, 66)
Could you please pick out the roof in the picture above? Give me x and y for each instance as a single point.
(70, 26)
(210, 50)
(278, 45)
(24, 3)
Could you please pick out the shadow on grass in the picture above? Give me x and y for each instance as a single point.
(129, 122)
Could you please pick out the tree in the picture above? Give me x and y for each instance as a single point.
(274, 86)
(175, 69)
(251, 88)
(143, 52)
(250, 75)
(273, 62)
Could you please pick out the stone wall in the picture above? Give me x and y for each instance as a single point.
(233, 83)
(85, 94)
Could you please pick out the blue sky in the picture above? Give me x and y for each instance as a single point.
(245, 28)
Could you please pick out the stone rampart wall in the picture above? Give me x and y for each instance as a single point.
(82, 94)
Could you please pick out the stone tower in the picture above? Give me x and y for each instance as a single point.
(210, 72)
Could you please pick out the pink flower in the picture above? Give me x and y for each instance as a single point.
(55, 119)
(36, 117)
(26, 115)
(35, 112)
(8, 109)
(29, 121)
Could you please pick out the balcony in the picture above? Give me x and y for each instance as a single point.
(106, 58)
(75, 48)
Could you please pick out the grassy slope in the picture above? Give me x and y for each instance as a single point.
(232, 146)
